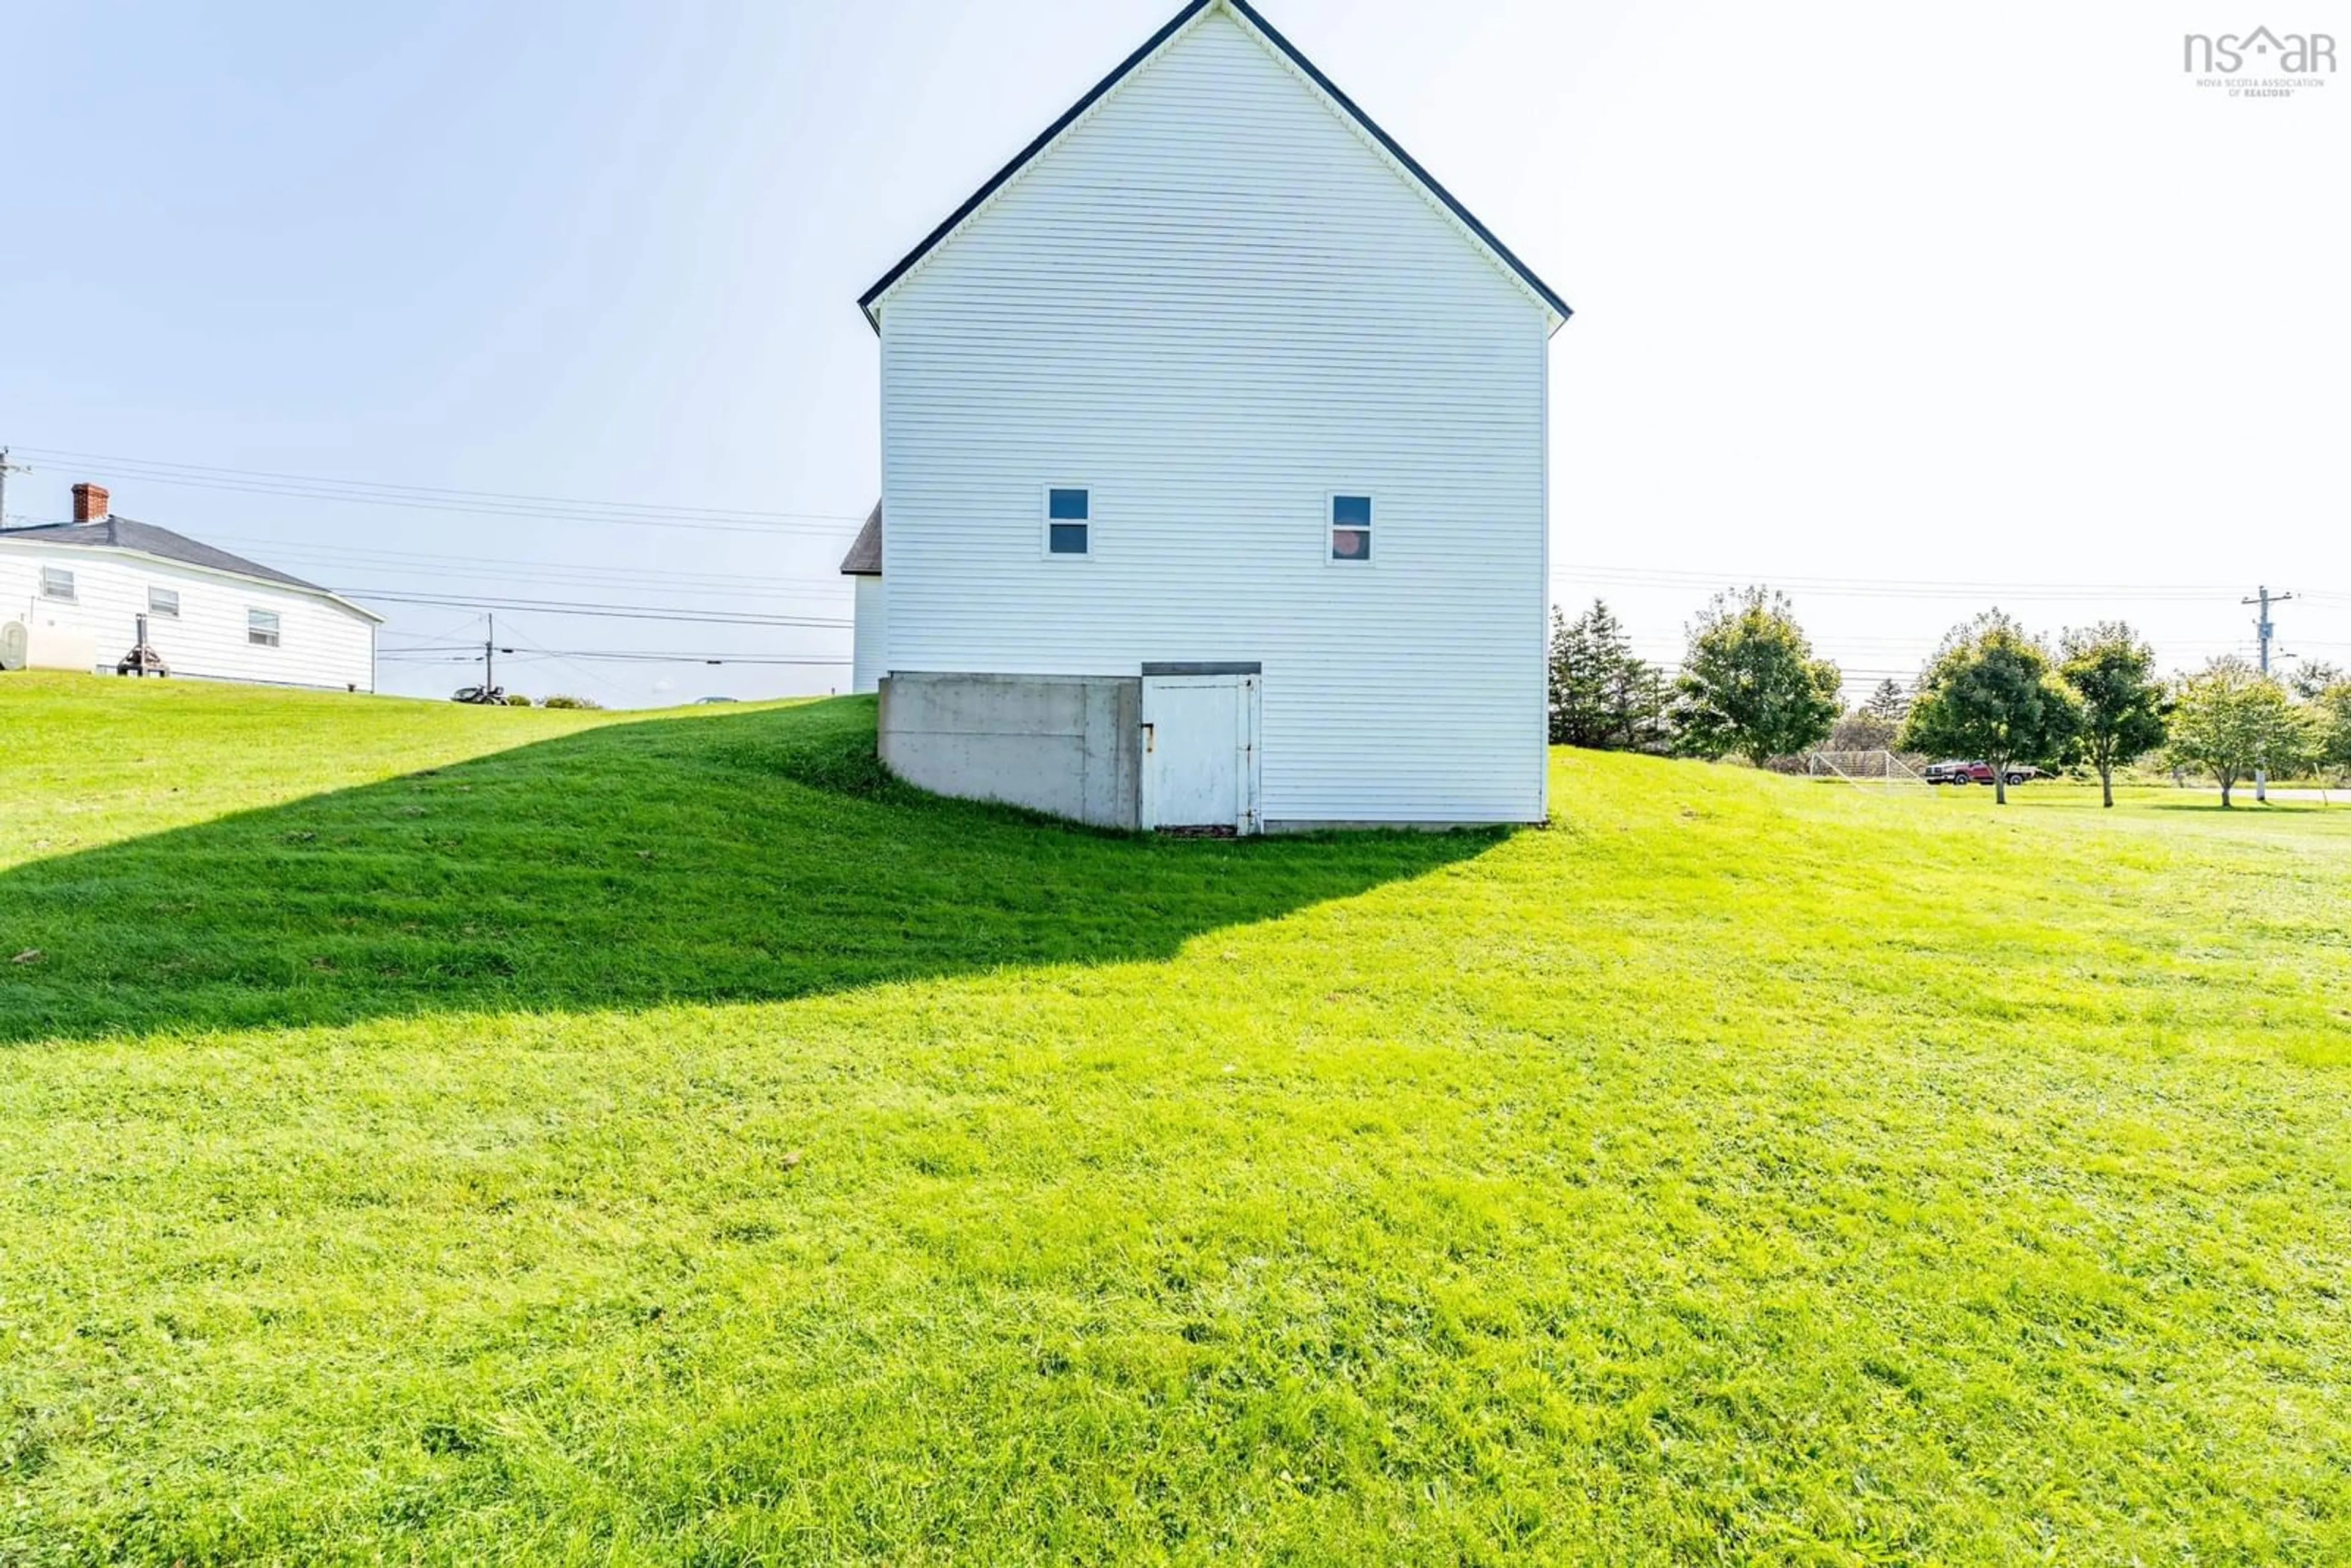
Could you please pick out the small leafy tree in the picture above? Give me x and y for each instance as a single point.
(1990, 693)
(1875, 723)
(2228, 719)
(1863, 730)
(2111, 673)
(1602, 694)
(1750, 683)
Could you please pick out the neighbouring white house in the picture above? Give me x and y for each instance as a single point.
(1213, 468)
(71, 595)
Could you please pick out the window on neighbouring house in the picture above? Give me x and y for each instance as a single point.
(56, 582)
(164, 601)
(1069, 521)
(1351, 527)
(261, 628)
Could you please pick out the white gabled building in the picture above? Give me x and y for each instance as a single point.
(1213, 468)
(71, 595)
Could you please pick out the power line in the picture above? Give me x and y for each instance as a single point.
(544, 514)
(619, 611)
(696, 658)
(755, 520)
(592, 676)
(648, 657)
(412, 560)
(732, 514)
(486, 503)
(430, 636)
(6, 468)
(1653, 577)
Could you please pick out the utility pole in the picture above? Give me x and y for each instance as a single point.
(490, 655)
(7, 468)
(2264, 632)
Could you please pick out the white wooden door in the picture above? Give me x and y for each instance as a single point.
(1199, 758)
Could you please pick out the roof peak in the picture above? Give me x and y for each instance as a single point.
(1242, 12)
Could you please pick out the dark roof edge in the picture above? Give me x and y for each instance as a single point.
(1290, 52)
(1452, 204)
(1044, 138)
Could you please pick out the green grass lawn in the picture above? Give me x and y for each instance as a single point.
(460, 1135)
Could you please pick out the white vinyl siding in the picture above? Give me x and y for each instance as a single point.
(1217, 301)
(323, 643)
(869, 649)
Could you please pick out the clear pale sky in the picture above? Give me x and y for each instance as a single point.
(1909, 309)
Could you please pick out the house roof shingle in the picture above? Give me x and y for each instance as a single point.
(125, 533)
(864, 557)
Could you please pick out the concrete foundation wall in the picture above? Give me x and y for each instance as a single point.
(1063, 744)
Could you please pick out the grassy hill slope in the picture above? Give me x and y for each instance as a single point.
(504, 1135)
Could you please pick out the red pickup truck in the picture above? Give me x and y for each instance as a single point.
(1978, 772)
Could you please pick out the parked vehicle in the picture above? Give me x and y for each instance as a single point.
(1977, 772)
(493, 696)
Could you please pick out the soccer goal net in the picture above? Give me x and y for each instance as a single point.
(1863, 769)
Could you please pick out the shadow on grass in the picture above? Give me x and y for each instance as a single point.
(756, 856)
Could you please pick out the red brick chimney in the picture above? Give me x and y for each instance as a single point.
(90, 503)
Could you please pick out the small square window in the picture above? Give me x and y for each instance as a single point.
(1351, 527)
(261, 628)
(1069, 513)
(164, 601)
(56, 582)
